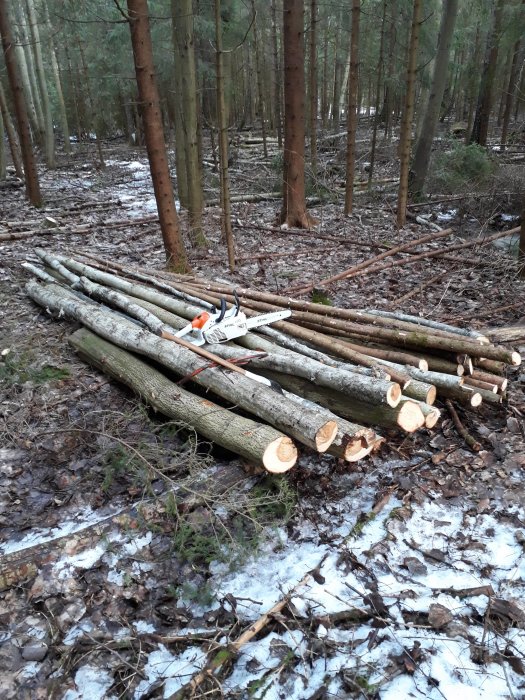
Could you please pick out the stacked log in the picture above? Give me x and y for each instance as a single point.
(325, 378)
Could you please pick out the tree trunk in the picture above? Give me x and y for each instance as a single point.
(521, 254)
(260, 444)
(41, 76)
(352, 107)
(313, 85)
(14, 147)
(93, 123)
(258, 74)
(293, 212)
(481, 119)
(226, 219)
(58, 85)
(153, 131)
(30, 171)
(324, 91)
(424, 145)
(379, 77)
(276, 76)
(405, 136)
(182, 15)
(27, 75)
(3, 168)
(510, 92)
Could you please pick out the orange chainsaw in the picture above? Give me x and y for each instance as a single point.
(219, 326)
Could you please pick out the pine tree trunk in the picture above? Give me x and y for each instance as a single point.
(30, 171)
(521, 255)
(424, 144)
(276, 76)
(258, 74)
(41, 76)
(481, 119)
(313, 85)
(58, 84)
(14, 147)
(293, 212)
(3, 159)
(154, 135)
(182, 16)
(405, 136)
(93, 124)
(352, 107)
(379, 77)
(510, 92)
(223, 140)
(336, 85)
(324, 91)
(27, 74)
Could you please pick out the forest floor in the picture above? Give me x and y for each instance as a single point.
(415, 556)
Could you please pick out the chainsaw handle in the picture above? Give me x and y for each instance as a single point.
(237, 302)
(223, 310)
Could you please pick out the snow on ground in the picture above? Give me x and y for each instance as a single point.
(386, 606)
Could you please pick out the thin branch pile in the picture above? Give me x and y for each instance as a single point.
(321, 378)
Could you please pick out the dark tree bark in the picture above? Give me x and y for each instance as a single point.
(294, 203)
(481, 119)
(510, 92)
(352, 107)
(431, 117)
(28, 158)
(405, 136)
(16, 154)
(522, 240)
(226, 219)
(182, 17)
(154, 133)
(276, 76)
(379, 78)
(313, 85)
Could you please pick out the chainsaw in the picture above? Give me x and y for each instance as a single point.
(219, 326)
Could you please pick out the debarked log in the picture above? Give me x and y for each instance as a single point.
(308, 426)
(260, 444)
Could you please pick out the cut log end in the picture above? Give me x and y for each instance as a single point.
(326, 435)
(423, 365)
(515, 359)
(432, 418)
(393, 395)
(280, 455)
(476, 400)
(410, 417)
(357, 454)
(355, 447)
(431, 395)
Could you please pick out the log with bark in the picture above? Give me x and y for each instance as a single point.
(339, 371)
(309, 427)
(260, 444)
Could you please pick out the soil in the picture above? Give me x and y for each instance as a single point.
(130, 607)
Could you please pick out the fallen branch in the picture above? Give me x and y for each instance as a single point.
(467, 437)
(351, 272)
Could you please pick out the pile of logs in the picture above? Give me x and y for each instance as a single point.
(333, 373)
